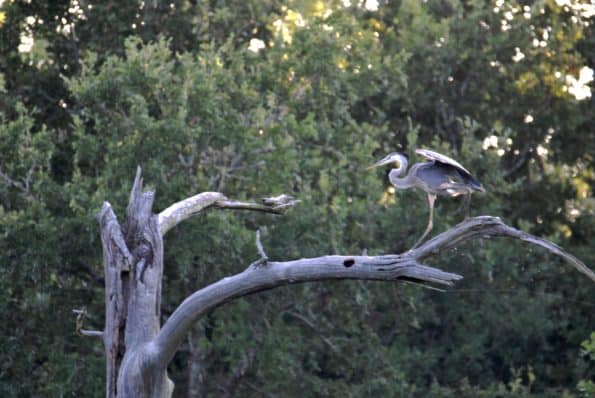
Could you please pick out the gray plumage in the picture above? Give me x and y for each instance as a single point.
(440, 176)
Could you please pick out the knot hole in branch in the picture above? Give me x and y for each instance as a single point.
(143, 251)
(143, 258)
(349, 262)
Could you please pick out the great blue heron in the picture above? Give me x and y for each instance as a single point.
(440, 176)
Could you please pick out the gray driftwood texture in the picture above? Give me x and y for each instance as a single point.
(138, 348)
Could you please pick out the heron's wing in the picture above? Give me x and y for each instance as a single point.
(438, 157)
(451, 167)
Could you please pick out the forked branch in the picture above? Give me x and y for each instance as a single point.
(487, 227)
(138, 350)
(405, 266)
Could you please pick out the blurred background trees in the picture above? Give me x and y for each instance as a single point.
(258, 97)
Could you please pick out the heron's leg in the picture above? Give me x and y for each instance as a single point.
(466, 203)
(431, 200)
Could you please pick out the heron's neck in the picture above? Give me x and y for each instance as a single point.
(394, 175)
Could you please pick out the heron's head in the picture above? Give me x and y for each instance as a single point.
(397, 158)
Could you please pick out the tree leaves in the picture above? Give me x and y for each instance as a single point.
(181, 94)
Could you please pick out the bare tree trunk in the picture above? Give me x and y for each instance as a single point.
(138, 349)
(233, 381)
(197, 368)
(117, 260)
(133, 258)
(133, 266)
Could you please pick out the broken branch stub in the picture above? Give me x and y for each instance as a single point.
(194, 205)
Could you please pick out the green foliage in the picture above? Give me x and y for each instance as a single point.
(179, 92)
(587, 387)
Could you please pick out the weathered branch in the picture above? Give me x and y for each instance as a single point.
(91, 333)
(406, 267)
(274, 274)
(487, 227)
(116, 259)
(81, 314)
(189, 207)
(186, 208)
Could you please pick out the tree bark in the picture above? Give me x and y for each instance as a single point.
(138, 349)
(116, 264)
(133, 262)
(197, 367)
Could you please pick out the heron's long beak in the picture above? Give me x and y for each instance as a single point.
(381, 162)
(372, 166)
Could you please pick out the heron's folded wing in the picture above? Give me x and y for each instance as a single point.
(438, 157)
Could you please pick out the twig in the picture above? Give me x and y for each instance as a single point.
(80, 319)
(259, 247)
(263, 256)
(91, 333)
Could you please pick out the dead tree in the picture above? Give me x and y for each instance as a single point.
(138, 348)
